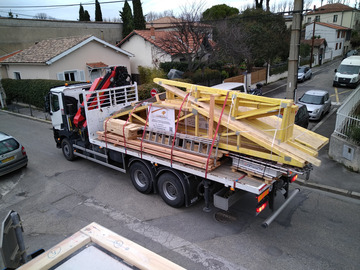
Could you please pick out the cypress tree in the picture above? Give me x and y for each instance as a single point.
(81, 13)
(139, 20)
(86, 16)
(127, 19)
(98, 15)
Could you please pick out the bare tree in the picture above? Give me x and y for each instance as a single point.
(189, 40)
(41, 16)
(151, 16)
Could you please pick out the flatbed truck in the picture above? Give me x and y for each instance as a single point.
(78, 112)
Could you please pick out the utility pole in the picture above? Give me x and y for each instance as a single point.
(312, 43)
(294, 49)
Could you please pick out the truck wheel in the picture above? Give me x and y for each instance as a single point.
(171, 190)
(67, 149)
(141, 177)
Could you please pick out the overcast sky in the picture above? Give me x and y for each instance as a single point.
(110, 8)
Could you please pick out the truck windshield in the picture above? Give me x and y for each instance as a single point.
(347, 69)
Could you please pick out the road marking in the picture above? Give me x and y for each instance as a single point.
(172, 242)
(336, 95)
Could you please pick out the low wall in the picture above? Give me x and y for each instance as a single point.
(345, 153)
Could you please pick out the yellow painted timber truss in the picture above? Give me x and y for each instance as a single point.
(249, 125)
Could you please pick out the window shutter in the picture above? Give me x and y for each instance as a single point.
(82, 75)
(60, 76)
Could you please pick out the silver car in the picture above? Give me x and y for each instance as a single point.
(304, 73)
(317, 102)
(12, 154)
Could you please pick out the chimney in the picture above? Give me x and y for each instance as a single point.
(152, 32)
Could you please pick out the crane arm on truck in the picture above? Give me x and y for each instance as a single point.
(117, 76)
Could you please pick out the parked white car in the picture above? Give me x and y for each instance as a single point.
(317, 102)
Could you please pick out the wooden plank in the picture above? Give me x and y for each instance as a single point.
(211, 116)
(178, 156)
(128, 250)
(57, 253)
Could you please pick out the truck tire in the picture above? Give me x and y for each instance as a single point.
(171, 190)
(67, 149)
(141, 177)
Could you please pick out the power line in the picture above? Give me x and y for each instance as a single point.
(65, 5)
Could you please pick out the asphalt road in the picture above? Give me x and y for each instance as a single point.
(56, 198)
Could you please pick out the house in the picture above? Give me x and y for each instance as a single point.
(150, 47)
(319, 50)
(336, 36)
(337, 14)
(81, 58)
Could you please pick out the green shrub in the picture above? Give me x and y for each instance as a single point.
(355, 134)
(145, 89)
(203, 76)
(148, 74)
(29, 91)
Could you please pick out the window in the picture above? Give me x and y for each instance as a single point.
(70, 75)
(338, 32)
(335, 18)
(17, 76)
(309, 19)
(340, 45)
(317, 18)
(55, 103)
(336, 46)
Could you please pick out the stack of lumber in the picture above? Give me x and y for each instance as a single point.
(120, 127)
(245, 124)
(115, 129)
(251, 123)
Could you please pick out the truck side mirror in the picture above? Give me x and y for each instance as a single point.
(47, 103)
(335, 70)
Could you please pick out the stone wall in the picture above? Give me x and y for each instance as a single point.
(345, 153)
(18, 34)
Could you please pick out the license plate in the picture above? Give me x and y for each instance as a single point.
(7, 159)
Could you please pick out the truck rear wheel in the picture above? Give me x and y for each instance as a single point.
(171, 190)
(67, 149)
(141, 177)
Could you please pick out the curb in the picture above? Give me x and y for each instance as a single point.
(339, 191)
(27, 116)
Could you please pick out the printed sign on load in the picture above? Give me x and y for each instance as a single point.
(162, 119)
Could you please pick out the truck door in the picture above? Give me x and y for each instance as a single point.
(56, 110)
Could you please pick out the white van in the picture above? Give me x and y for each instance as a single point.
(348, 72)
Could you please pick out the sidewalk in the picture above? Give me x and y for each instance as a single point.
(330, 176)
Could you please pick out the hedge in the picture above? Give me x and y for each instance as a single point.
(29, 91)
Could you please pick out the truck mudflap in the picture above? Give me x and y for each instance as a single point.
(273, 216)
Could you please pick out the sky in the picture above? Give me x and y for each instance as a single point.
(110, 8)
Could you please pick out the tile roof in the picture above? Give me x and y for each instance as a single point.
(97, 65)
(317, 42)
(161, 37)
(330, 8)
(334, 26)
(45, 50)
